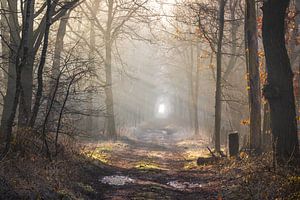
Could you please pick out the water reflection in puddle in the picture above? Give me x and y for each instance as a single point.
(184, 185)
(117, 180)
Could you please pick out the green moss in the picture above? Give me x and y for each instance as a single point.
(190, 165)
(86, 188)
(148, 166)
(194, 154)
(102, 157)
(65, 195)
(104, 148)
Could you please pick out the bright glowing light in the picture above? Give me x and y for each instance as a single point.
(161, 109)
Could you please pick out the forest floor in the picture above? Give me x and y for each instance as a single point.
(151, 166)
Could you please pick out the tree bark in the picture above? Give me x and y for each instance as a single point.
(296, 59)
(266, 134)
(234, 39)
(279, 88)
(196, 92)
(61, 112)
(27, 72)
(14, 41)
(90, 125)
(294, 43)
(19, 65)
(109, 101)
(56, 68)
(254, 78)
(4, 28)
(35, 41)
(5, 45)
(39, 92)
(218, 103)
(191, 96)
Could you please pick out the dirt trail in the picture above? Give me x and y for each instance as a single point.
(153, 164)
(160, 167)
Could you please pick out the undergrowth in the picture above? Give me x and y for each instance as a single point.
(28, 173)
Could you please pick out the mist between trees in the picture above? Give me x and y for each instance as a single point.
(105, 68)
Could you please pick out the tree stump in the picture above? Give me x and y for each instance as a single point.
(233, 143)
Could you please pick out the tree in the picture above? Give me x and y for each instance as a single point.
(279, 88)
(293, 32)
(41, 66)
(4, 36)
(22, 58)
(218, 100)
(196, 95)
(253, 75)
(115, 23)
(36, 32)
(27, 71)
(207, 31)
(13, 43)
(56, 64)
(92, 58)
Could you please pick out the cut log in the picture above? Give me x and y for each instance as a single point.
(206, 161)
(233, 143)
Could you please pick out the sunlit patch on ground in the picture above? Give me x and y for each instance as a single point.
(146, 155)
(192, 143)
(190, 165)
(148, 166)
(102, 151)
(156, 154)
(97, 154)
(193, 154)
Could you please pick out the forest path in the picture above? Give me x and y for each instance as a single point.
(155, 166)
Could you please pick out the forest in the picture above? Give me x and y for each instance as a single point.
(149, 99)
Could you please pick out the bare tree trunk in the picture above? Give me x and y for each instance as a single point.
(109, 101)
(298, 50)
(35, 39)
(4, 40)
(49, 108)
(27, 73)
(254, 78)
(190, 79)
(294, 43)
(196, 92)
(14, 41)
(59, 46)
(56, 68)
(92, 58)
(62, 111)
(279, 88)
(266, 134)
(295, 58)
(40, 88)
(234, 30)
(5, 52)
(111, 130)
(218, 103)
(24, 48)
